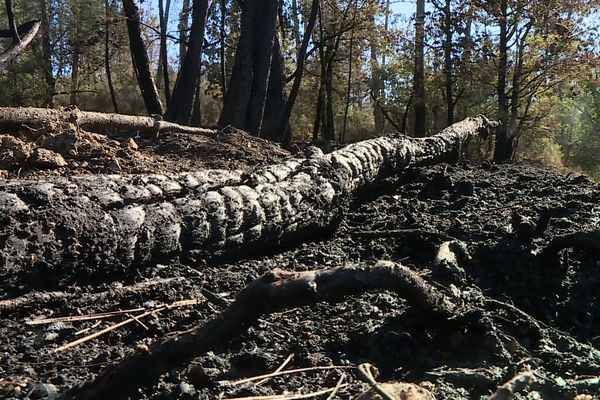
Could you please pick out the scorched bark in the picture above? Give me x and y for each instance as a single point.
(110, 223)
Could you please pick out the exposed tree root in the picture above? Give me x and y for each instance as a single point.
(275, 291)
(27, 32)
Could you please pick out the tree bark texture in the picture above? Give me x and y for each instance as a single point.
(12, 52)
(71, 117)
(244, 103)
(140, 58)
(182, 102)
(110, 223)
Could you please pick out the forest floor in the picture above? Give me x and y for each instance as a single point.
(532, 313)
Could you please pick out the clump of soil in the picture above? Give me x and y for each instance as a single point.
(81, 152)
(462, 227)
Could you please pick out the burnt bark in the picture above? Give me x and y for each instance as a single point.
(419, 78)
(245, 100)
(47, 54)
(163, 62)
(137, 221)
(503, 145)
(276, 100)
(277, 290)
(182, 102)
(301, 56)
(111, 86)
(140, 58)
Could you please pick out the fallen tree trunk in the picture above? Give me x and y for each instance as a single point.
(275, 291)
(53, 120)
(109, 223)
(16, 48)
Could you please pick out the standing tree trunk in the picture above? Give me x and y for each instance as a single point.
(12, 23)
(47, 54)
(261, 61)
(75, 72)
(376, 86)
(183, 30)
(503, 148)
(163, 62)
(140, 58)
(448, 63)
(182, 102)
(222, 60)
(276, 99)
(419, 79)
(246, 95)
(111, 87)
(342, 135)
(300, 58)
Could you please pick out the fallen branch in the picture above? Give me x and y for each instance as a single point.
(37, 299)
(134, 221)
(297, 396)
(16, 48)
(274, 291)
(72, 117)
(588, 241)
(287, 372)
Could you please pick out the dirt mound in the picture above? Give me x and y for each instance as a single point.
(30, 155)
(476, 231)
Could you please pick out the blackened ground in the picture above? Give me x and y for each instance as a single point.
(531, 313)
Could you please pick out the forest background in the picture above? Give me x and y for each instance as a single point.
(350, 69)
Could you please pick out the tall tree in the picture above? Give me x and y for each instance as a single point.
(301, 58)
(245, 99)
(419, 72)
(107, 69)
(163, 59)
(140, 58)
(182, 102)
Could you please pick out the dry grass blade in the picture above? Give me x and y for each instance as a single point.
(94, 335)
(290, 396)
(337, 386)
(73, 318)
(289, 371)
(281, 367)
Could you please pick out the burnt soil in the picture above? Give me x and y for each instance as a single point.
(532, 312)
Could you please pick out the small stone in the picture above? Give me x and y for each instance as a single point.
(44, 158)
(186, 391)
(46, 391)
(130, 144)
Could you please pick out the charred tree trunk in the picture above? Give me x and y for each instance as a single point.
(136, 221)
(376, 87)
(111, 86)
(183, 30)
(284, 124)
(448, 63)
(140, 58)
(246, 96)
(419, 79)
(47, 54)
(163, 62)
(181, 107)
(222, 60)
(503, 148)
(276, 100)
